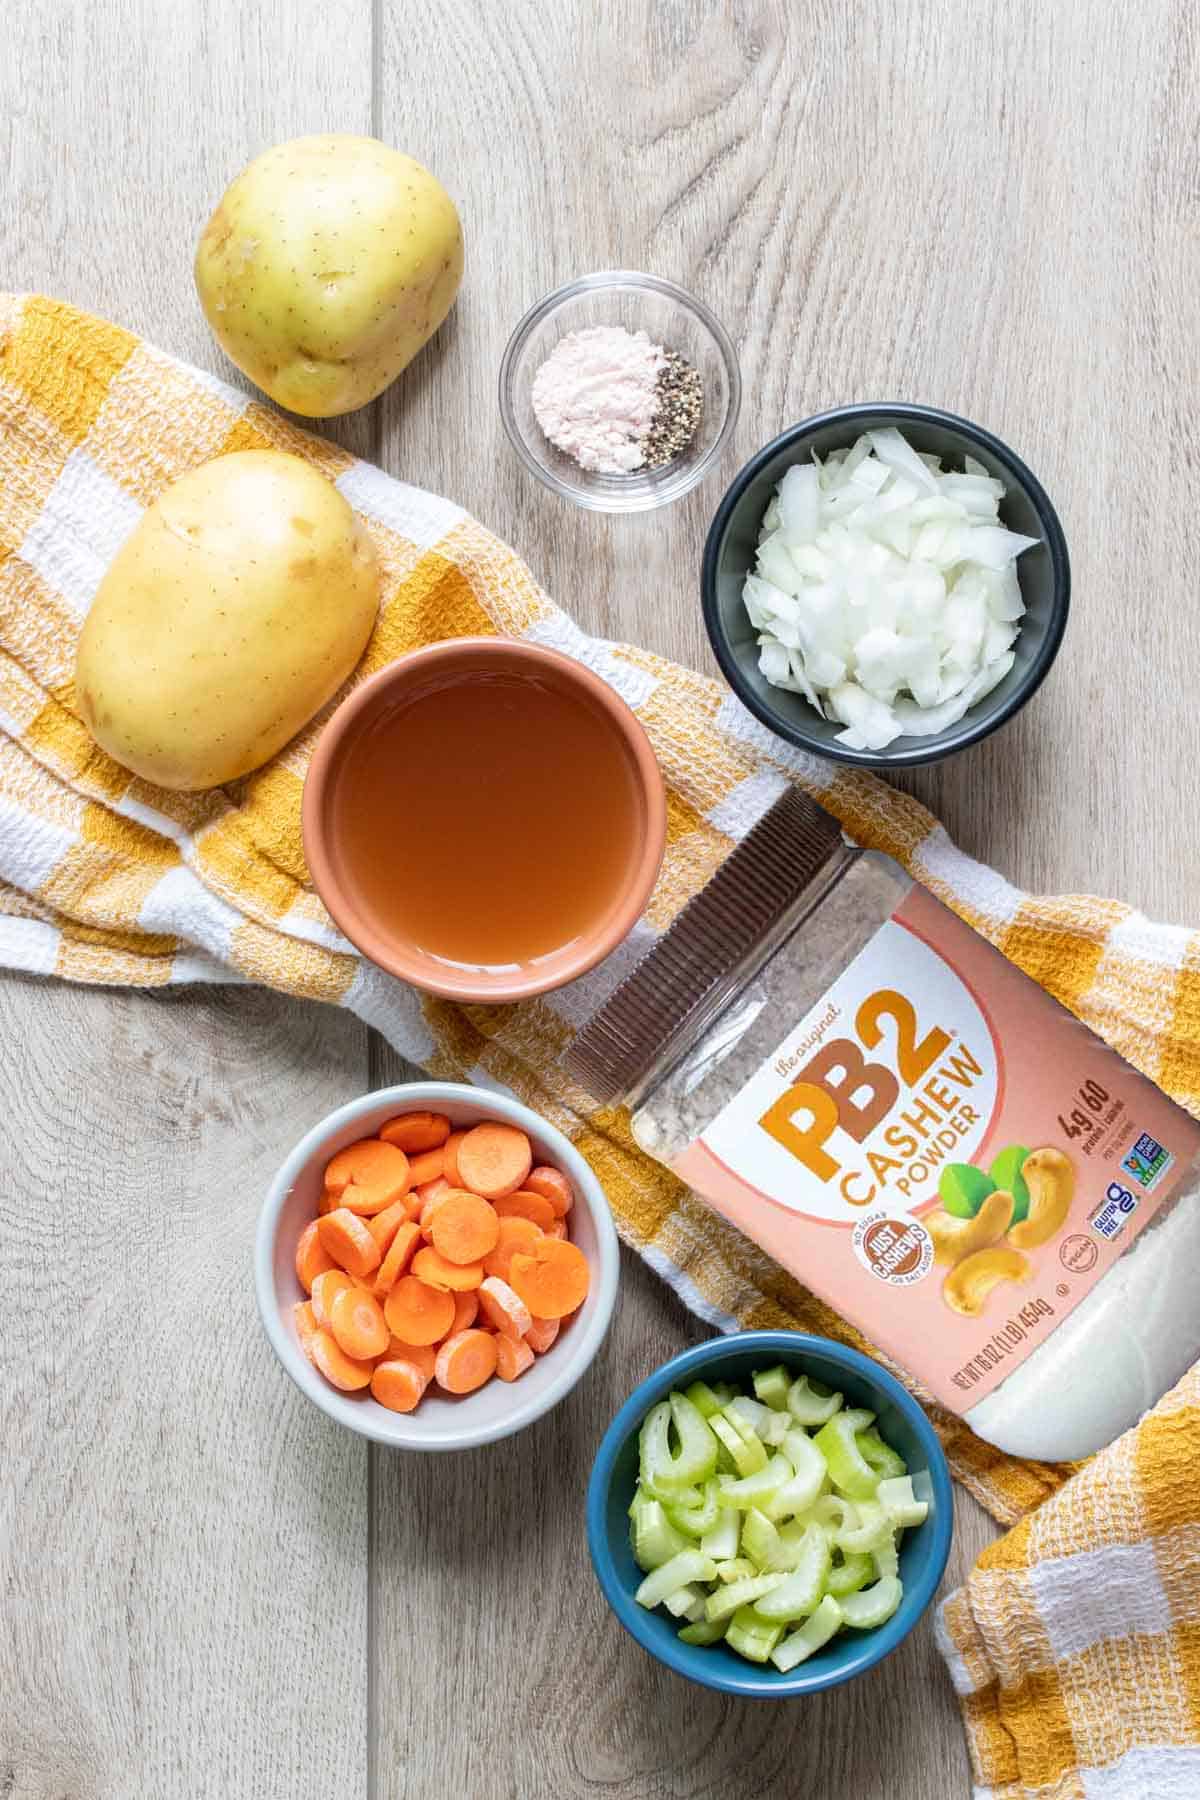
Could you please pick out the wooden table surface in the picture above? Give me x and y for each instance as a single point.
(207, 1588)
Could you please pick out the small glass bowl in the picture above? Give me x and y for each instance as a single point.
(670, 317)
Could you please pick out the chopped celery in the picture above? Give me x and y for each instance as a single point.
(812, 1634)
(761, 1542)
(880, 1456)
(671, 1496)
(725, 1462)
(793, 1538)
(728, 1600)
(747, 1453)
(696, 1520)
(686, 1602)
(853, 1572)
(834, 1512)
(745, 1521)
(850, 1474)
(873, 1528)
(771, 1387)
(776, 1429)
(655, 1540)
(689, 1565)
(886, 1557)
(753, 1490)
(800, 1594)
(808, 1477)
(697, 1447)
(702, 1632)
(663, 1470)
(900, 1503)
(872, 1605)
(703, 1399)
(744, 1414)
(810, 1403)
(721, 1543)
(751, 1635)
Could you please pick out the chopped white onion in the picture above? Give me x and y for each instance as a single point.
(886, 589)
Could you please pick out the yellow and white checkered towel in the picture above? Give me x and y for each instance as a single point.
(104, 878)
(1075, 1645)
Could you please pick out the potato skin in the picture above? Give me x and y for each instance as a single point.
(327, 265)
(232, 613)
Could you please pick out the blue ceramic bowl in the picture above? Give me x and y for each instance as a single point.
(901, 1423)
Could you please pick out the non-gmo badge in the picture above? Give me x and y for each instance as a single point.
(896, 1250)
(1147, 1162)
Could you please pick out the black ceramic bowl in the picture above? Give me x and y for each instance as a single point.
(1044, 573)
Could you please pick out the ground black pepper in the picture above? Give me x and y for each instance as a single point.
(677, 413)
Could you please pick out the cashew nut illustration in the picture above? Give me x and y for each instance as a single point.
(953, 1239)
(1050, 1178)
(968, 1285)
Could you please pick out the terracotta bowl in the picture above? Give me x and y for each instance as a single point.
(462, 659)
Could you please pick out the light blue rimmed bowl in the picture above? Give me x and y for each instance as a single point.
(901, 1423)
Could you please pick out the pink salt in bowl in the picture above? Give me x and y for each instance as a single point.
(669, 317)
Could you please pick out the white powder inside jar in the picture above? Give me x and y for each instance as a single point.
(595, 397)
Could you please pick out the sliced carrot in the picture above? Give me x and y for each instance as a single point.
(434, 1268)
(526, 1205)
(450, 1158)
(494, 1159)
(516, 1233)
(426, 1167)
(553, 1186)
(368, 1163)
(384, 1226)
(312, 1259)
(431, 1205)
(347, 1240)
(552, 1278)
(542, 1333)
(344, 1371)
(418, 1198)
(558, 1230)
(306, 1325)
(463, 1228)
(356, 1321)
(424, 1355)
(417, 1313)
(325, 1290)
(400, 1254)
(466, 1361)
(398, 1385)
(368, 1202)
(503, 1309)
(416, 1131)
(326, 1203)
(513, 1357)
(466, 1311)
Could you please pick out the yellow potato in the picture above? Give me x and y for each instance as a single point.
(327, 265)
(235, 609)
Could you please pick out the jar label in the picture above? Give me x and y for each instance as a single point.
(943, 1153)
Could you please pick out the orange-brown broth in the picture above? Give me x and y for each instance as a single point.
(490, 821)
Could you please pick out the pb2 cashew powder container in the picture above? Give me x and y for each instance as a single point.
(893, 1111)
